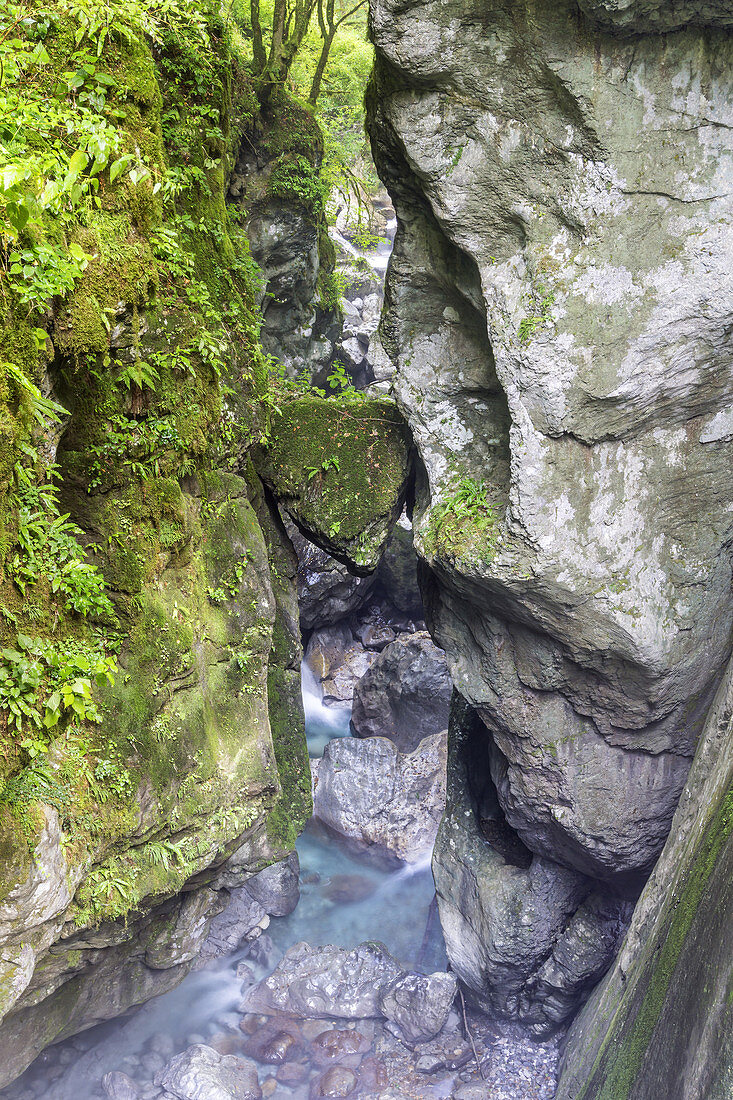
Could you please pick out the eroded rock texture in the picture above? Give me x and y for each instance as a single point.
(559, 310)
(660, 1024)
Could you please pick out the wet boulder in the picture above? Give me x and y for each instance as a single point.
(416, 1006)
(200, 1073)
(118, 1086)
(327, 591)
(369, 792)
(406, 693)
(327, 982)
(276, 888)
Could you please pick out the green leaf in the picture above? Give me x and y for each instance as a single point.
(78, 161)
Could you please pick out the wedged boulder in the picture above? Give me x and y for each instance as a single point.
(201, 1073)
(341, 470)
(528, 940)
(365, 982)
(369, 792)
(406, 693)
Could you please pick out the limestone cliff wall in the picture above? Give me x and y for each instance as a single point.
(557, 328)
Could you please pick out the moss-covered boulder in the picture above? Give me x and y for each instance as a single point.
(342, 471)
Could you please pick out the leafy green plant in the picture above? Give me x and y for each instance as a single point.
(48, 551)
(45, 685)
(331, 463)
(464, 523)
(529, 325)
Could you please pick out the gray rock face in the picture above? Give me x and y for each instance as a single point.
(417, 1005)
(327, 591)
(277, 887)
(661, 1024)
(658, 15)
(406, 693)
(530, 942)
(327, 981)
(201, 1073)
(369, 792)
(557, 310)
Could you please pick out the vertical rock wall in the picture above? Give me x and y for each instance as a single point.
(558, 320)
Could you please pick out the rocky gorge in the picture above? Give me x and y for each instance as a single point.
(488, 505)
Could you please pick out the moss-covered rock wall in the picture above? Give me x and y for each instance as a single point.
(151, 729)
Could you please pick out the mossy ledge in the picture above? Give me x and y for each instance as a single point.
(342, 469)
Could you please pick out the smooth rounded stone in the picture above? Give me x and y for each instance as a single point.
(293, 1073)
(281, 1047)
(337, 1081)
(327, 981)
(118, 1086)
(416, 1006)
(346, 1047)
(371, 793)
(200, 1073)
(163, 1044)
(348, 889)
(406, 693)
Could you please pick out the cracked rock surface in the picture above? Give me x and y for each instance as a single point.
(557, 334)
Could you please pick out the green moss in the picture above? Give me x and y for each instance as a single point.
(342, 469)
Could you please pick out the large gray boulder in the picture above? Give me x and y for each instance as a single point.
(366, 982)
(201, 1073)
(405, 695)
(327, 982)
(369, 792)
(557, 319)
